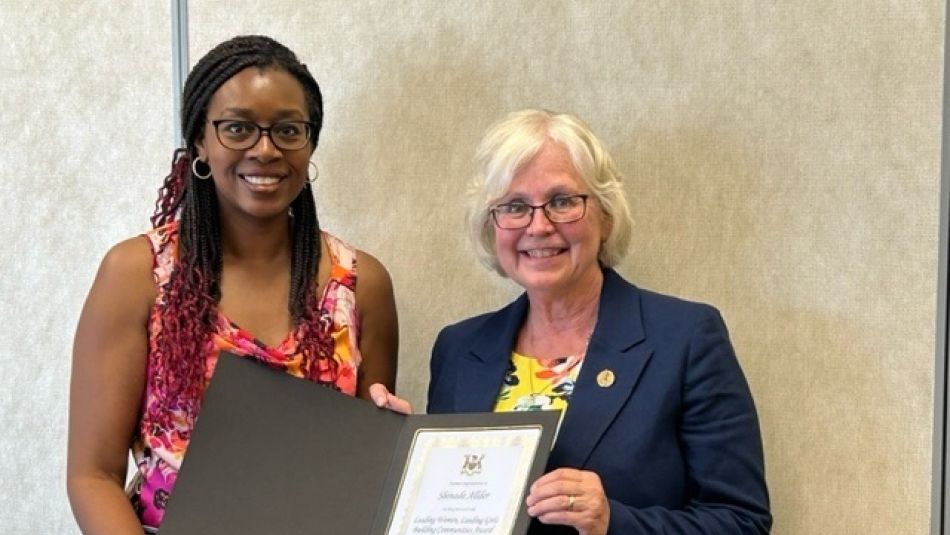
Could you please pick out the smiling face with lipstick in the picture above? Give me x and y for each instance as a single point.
(257, 142)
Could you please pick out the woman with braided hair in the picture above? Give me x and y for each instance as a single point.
(235, 261)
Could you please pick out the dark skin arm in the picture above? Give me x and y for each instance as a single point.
(109, 357)
(379, 334)
(106, 386)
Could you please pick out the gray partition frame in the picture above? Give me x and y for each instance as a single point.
(179, 49)
(940, 523)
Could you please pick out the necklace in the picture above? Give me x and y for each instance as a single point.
(535, 399)
(533, 364)
(548, 386)
(534, 342)
(556, 377)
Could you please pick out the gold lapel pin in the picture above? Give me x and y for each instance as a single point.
(605, 378)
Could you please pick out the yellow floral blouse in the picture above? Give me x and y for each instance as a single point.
(537, 384)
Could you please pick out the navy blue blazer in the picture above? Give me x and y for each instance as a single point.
(675, 439)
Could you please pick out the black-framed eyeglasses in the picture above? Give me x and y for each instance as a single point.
(242, 135)
(558, 209)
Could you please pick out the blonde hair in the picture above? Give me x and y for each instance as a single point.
(513, 142)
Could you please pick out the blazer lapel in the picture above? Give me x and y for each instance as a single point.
(616, 346)
(482, 370)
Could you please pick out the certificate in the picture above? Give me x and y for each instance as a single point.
(468, 481)
(274, 454)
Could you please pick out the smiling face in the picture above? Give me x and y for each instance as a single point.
(262, 181)
(548, 258)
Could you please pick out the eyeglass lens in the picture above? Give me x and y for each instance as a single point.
(561, 209)
(242, 135)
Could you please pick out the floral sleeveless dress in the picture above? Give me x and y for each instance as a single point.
(158, 451)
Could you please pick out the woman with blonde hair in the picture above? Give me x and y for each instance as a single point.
(659, 432)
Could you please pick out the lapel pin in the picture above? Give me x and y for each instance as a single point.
(605, 378)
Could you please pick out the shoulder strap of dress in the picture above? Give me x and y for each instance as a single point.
(342, 254)
(164, 242)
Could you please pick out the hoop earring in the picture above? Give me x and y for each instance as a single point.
(316, 172)
(194, 169)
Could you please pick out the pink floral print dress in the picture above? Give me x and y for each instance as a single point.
(158, 451)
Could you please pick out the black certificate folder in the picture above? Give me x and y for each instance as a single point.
(274, 454)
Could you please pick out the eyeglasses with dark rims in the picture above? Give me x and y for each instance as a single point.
(558, 209)
(242, 135)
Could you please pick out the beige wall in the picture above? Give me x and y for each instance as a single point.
(84, 116)
(782, 161)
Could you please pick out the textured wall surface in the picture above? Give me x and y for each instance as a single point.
(781, 159)
(86, 131)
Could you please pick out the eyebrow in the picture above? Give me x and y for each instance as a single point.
(518, 196)
(247, 113)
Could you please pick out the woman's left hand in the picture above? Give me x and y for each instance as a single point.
(570, 497)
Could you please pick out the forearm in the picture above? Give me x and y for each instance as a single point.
(101, 507)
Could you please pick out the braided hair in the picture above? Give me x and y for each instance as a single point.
(188, 311)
